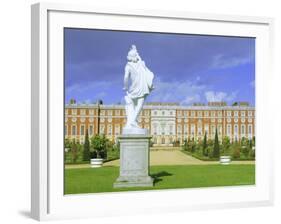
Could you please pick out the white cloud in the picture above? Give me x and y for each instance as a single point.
(212, 96)
(97, 90)
(220, 61)
(191, 99)
(186, 92)
(82, 87)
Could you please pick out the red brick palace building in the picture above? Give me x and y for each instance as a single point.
(166, 122)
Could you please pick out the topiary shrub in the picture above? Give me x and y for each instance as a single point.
(245, 150)
(216, 151)
(252, 154)
(93, 154)
(236, 153)
(209, 151)
(86, 150)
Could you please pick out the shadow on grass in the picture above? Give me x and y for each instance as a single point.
(157, 176)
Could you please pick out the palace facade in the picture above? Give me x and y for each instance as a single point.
(166, 122)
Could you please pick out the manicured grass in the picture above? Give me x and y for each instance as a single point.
(89, 180)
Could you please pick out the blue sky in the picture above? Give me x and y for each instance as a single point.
(187, 68)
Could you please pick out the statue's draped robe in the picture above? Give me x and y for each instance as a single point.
(141, 80)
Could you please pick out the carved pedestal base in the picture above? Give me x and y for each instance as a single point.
(134, 161)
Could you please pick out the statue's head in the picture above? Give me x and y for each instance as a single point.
(133, 54)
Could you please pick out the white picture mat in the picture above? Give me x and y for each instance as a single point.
(160, 200)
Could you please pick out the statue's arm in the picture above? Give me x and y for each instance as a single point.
(126, 78)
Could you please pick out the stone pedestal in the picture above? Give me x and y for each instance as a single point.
(134, 161)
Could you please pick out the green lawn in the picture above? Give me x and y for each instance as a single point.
(89, 180)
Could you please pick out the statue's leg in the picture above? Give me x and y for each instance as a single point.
(129, 111)
(138, 107)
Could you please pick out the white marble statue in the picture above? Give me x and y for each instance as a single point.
(138, 83)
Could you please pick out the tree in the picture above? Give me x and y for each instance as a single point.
(193, 145)
(99, 143)
(226, 145)
(251, 144)
(185, 144)
(205, 145)
(67, 143)
(236, 153)
(245, 147)
(216, 151)
(209, 150)
(74, 151)
(254, 141)
(243, 141)
(86, 151)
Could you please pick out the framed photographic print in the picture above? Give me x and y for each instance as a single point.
(137, 111)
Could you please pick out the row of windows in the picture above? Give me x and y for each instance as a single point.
(103, 120)
(163, 130)
(163, 113)
(219, 120)
(108, 130)
(214, 113)
(202, 113)
(235, 129)
(163, 140)
(179, 120)
(91, 130)
(102, 112)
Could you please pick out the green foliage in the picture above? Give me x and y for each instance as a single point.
(67, 143)
(245, 150)
(74, 151)
(210, 142)
(243, 141)
(205, 145)
(151, 143)
(252, 154)
(193, 147)
(226, 146)
(251, 143)
(216, 151)
(176, 143)
(245, 147)
(86, 151)
(236, 153)
(113, 151)
(79, 153)
(98, 144)
(254, 141)
(185, 145)
(211, 149)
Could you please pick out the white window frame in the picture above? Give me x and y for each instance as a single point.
(80, 131)
(91, 130)
(82, 111)
(229, 130)
(75, 132)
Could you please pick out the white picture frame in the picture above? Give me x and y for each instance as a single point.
(48, 201)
